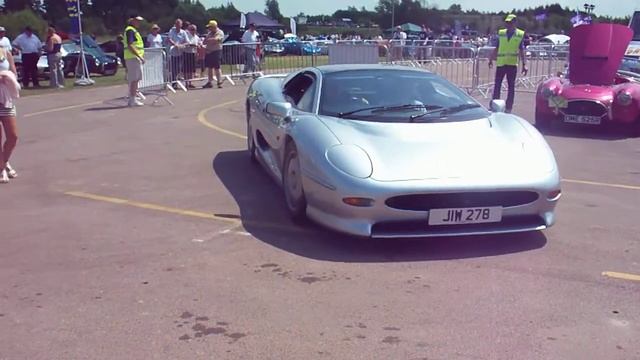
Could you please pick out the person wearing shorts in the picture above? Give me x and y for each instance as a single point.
(9, 84)
(213, 56)
(134, 58)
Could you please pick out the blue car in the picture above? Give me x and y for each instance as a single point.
(293, 46)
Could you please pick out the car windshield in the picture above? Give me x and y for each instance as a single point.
(392, 95)
(635, 26)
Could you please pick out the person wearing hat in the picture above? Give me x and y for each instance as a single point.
(134, 58)
(398, 41)
(5, 43)
(154, 39)
(250, 38)
(213, 57)
(509, 49)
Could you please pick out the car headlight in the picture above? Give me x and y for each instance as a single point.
(351, 160)
(97, 62)
(624, 98)
(547, 93)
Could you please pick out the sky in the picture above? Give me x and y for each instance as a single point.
(315, 7)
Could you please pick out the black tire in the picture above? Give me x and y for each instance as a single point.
(634, 131)
(543, 123)
(251, 144)
(293, 192)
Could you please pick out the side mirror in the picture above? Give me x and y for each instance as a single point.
(497, 106)
(280, 109)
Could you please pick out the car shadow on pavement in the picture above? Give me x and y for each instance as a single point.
(264, 215)
(588, 132)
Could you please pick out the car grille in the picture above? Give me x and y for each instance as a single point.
(583, 107)
(425, 202)
(394, 229)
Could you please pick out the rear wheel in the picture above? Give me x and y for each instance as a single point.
(292, 184)
(543, 122)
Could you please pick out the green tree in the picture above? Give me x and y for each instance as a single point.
(272, 10)
(16, 21)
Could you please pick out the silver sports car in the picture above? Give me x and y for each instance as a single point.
(388, 151)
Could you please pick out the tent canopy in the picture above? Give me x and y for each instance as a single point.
(407, 27)
(557, 39)
(262, 22)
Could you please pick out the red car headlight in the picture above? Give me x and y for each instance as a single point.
(624, 98)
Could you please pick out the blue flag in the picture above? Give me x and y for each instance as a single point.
(74, 15)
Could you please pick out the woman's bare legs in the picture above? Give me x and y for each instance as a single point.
(11, 134)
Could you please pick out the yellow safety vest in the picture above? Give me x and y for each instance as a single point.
(509, 49)
(139, 44)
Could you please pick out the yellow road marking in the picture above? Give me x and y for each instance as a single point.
(595, 183)
(623, 276)
(185, 212)
(61, 109)
(149, 206)
(202, 118)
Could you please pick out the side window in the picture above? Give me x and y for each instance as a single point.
(299, 91)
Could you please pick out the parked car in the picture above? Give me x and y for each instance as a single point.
(98, 62)
(595, 92)
(293, 46)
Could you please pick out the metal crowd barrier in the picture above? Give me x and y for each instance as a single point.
(463, 64)
(155, 75)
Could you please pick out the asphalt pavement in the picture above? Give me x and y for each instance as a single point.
(147, 234)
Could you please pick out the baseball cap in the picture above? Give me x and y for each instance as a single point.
(212, 23)
(510, 18)
(137, 17)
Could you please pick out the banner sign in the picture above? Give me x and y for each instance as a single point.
(74, 15)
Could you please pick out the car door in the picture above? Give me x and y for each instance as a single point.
(300, 91)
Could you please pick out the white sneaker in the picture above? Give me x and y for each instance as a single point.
(11, 172)
(135, 103)
(4, 177)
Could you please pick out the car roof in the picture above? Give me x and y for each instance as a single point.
(327, 69)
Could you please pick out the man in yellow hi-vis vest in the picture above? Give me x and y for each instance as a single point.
(509, 48)
(134, 58)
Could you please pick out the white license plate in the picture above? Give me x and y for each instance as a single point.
(582, 119)
(465, 215)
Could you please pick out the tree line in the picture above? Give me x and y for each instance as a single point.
(109, 16)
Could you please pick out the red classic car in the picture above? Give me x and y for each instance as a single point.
(594, 92)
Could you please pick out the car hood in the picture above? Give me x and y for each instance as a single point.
(588, 92)
(596, 52)
(484, 150)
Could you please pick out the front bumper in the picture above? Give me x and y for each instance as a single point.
(325, 206)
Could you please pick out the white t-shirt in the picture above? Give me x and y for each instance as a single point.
(154, 41)
(192, 43)
(5, 43)
(28, 44)
(250, 37)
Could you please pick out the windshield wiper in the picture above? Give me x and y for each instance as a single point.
(389, 108)
(446, 110)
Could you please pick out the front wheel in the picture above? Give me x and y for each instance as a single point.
(292, 184)
(543, 122)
